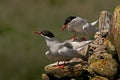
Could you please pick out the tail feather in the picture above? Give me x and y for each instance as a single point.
(94, 23)
(76, 45)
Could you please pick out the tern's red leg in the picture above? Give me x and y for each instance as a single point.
(74, 37)
(62, 66)
(83, 38)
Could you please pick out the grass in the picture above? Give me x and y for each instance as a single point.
(21, 51)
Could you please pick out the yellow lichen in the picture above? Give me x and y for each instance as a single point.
(116, 30)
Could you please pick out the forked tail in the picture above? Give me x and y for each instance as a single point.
(94, 23)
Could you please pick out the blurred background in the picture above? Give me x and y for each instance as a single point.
(21, 51)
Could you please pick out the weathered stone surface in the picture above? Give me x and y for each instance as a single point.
(45, 77)
(99, 78)
(76, 60)
(73, 79)
(97, 35)
(110, 47)
(116, 29)
(97, 56)
(104, 67)
(104, 21)
(70, 69)
(101, 48)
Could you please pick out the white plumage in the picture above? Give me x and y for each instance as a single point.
(62, 51)
(79, 25)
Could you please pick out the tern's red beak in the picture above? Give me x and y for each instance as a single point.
(63, 27)
(37, 33)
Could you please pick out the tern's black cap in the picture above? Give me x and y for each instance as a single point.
(47, 33)
(68, 19)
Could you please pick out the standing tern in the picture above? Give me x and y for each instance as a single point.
(79, 25)
(62, 51)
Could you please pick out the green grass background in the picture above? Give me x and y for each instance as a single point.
(21, 51)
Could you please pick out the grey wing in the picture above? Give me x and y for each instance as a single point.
(77, 24)
(68, 53)
(76, 45)
(79, 21)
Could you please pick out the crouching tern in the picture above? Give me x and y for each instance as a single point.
(79, 25)
(62, 51)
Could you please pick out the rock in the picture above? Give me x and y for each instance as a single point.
(76, 60)
(110, 47)
(116, 29)
(104, 21)
(45, 77)
(99, 78)
(101, 48)
(70, 69)
(97, 56)
(104, 67)
(94, 45)
(73, 79)
(97, 35)
(105, 34)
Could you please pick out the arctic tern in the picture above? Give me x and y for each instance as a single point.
(62, 51)
(79, 25)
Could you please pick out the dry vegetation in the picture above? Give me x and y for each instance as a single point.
(21, 51)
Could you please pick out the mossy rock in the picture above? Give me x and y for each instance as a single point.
(116, 29)
(104, 67)
(99, 78)
(70, 69)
